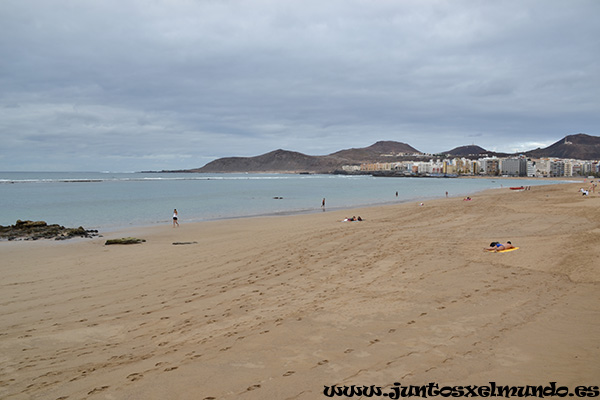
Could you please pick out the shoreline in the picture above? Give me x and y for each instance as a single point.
(315, 210)
(280, 307)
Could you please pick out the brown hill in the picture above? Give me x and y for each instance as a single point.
(579, 146)
(463, 151)
(380, 151)
(291, 161)
(274, 161)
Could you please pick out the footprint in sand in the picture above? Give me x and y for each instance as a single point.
(322, 362)
(98, 389)
(253, 387)
(170, 369)
(348, 351)
(289, 373)
(136, 376)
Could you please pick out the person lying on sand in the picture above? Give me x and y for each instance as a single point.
(497, 246)
(352, 219)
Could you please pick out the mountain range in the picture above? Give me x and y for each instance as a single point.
(579, 146)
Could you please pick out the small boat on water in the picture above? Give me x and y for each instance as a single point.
(517, 188)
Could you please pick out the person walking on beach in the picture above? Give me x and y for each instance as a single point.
(175, 223)
(323, 204)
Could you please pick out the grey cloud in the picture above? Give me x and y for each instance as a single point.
(131, 80)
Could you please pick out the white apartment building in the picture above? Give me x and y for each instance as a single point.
(557, 168)
(490, 166)
(531, 166)
(513, 166)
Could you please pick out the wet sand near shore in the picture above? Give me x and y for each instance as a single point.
(280, 307)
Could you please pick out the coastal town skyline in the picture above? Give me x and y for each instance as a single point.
(573, 155)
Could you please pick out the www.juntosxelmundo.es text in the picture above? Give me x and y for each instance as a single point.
(397, 391)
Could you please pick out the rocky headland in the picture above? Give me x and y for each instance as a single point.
(34, 230)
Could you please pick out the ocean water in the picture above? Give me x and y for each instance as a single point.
(109, 201)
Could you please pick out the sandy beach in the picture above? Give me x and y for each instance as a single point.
(280, 307)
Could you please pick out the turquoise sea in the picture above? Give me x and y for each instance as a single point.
(108, 201)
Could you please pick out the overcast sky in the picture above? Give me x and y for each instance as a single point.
(129, 85)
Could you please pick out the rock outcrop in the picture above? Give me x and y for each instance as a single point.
(125, 240)
(34, 230)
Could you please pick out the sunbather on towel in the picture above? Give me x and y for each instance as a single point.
(497, 246)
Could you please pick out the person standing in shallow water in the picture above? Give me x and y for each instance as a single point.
(323, 203)
(175, 216)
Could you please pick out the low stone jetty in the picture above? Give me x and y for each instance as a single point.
(34, 230)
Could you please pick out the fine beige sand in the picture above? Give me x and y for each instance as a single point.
(279, 307)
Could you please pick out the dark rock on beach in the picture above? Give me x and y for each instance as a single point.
(34, 230)
(125, 240)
